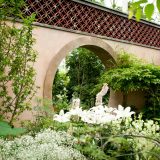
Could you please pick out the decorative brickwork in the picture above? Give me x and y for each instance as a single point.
(76, 16)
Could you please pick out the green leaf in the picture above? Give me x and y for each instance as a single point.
(4, 124)
(130, 15)
(1, 1)
(17, 131)
(137, 4)
(6, 130)
(158, 5)
(149, 10)
(138, 14)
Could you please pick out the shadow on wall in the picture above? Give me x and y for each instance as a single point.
(134, 99)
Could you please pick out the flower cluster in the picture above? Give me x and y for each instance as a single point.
(95, 115)
(141, 127)
(144, 135)
(47, 144)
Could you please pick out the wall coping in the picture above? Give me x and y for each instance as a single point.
(84, 33)
(92, 35)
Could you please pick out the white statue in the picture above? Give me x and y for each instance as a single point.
(75, 103)
(100, 95)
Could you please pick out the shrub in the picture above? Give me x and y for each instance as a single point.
(132, 74)
(17, 57)
(122, 138)
(46, 144)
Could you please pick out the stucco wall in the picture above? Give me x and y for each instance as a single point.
(49, 43)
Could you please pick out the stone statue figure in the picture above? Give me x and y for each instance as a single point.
(75, 103)
(100, 95)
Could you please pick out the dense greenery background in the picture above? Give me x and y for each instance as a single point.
(81, 79)
(132, 74)
(86, 74)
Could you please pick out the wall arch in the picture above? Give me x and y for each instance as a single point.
(98, 46)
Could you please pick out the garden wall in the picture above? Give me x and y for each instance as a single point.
(53, 45)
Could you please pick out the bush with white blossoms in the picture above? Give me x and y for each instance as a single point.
(116, 126)
(95, 115)
(144, 135)
(47, 144)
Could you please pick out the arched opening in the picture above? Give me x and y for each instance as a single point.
(98, 46)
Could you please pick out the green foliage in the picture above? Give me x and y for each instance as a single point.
(125, 60)
(16, 61)
(42, 118)
(84, 69)
(81, 79)
(59, 91)
(138, 8)
(41, 122)
(138, 14)
(11, 8)
(6, 130)
(143, 6)
(124, 77)
(133, 78)
(132, 74)
(152, 103)
(149, 10)
(125, 139)
(158, 5)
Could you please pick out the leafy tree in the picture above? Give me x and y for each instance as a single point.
(59, 91)
(84, 69)
(16, 60)
(81, 79)
(11, 8)
(138, 8)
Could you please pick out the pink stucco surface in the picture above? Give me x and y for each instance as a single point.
(53, 45)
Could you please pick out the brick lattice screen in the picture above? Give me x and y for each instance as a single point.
(76, 16)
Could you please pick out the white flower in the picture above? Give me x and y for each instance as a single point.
(123, 112)
(95, 115)
(62, 117)
(47, 144)
(76, 111)
(109, 109)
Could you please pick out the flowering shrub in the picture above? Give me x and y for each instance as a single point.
(126, 138)
(121, 137)
(47, 144)
(104, 133)
(95, 115)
